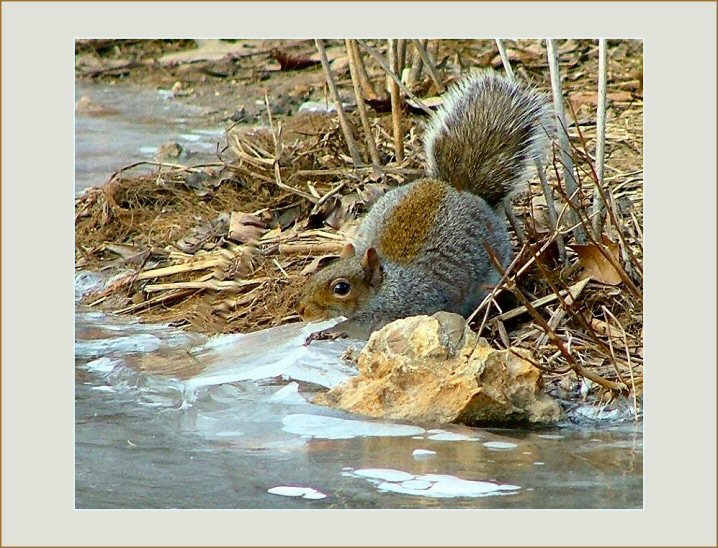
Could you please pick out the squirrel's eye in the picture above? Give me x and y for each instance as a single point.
(341, 288)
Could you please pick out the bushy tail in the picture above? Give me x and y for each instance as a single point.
(488, 133)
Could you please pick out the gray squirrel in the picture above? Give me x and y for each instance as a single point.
(422, 246)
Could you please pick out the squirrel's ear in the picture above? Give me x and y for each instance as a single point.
(372, 267)
(347, 252)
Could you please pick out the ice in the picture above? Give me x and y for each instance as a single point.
(317, 426)
(550, 436)
(384, 474)
(304, 492)
(419, 453)
(288, 394)
(452, 436)
(429, 485)
(86, 282)
(415, 484)
(103, 365)
(242, 357)
(139, 343)
(500, 445)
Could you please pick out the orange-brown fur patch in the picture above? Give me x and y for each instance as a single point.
(411, 221)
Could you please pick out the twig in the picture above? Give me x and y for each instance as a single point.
(577, 367)
(505, 58)
(346, 129)
(389, 170)
(361, 106)
(548, 195)
(567, 161)
(329, 194)
(635, 262)
(364, 81)
(609, 338)
(571, 293)
(431, 69)
(377, 57)
(551, 209)
(310, 249)
(415, 73)
(395, 104)
(598, 201)
(217, 285)
(157, 300)
(280, 184)
(178, 167)
(401, 55)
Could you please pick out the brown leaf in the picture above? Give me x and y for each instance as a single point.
(382, 104)
(595, 265)
(620, 96)
(317, 263)
(245, 227)
(583, 98)
(292, 62)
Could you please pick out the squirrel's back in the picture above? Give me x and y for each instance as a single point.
(489, 131)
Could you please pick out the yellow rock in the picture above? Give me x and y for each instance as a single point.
(434, 369)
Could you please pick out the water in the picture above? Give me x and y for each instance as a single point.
(132, 126)
(169, 419)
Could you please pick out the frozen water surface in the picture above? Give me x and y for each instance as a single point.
(241, 432)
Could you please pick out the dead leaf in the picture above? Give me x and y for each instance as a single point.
(605, 329)
(340, 65)
(581, 98)
(595, 264)
(245, 227)
(317, 263)
(292, 62)
(620, 96)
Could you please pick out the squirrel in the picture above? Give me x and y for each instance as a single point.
(422, 246)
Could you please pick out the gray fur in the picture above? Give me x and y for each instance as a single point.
(452, 272)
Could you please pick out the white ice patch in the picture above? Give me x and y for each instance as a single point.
(604, 414)
(500, 445)
(304, 492)
(131, 344)
(384, 474)
(190, 137)
(272, 353)
(452, 436)
(103, 365)
(210, 132)
(332, 428)
(420, 453)
(430, 485)
(229, 434)
(317, 107)
(103, 388)
(550, 436)
(416, 484)
(288, 395)
(85, 282)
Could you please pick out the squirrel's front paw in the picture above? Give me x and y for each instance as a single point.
(324, 335)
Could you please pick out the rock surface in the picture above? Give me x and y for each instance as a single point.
(434, 369)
